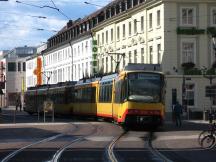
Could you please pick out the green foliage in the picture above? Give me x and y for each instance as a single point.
(211, 30)
(188, 65)
(210, 72)
(192, 71)
(190, 31)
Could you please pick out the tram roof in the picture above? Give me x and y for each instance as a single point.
(108, 77)
(58, 85)
(143, 67)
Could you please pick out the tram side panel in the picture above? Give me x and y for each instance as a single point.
(104, 104)
(85, 101)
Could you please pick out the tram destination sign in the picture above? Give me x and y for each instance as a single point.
(210, 91)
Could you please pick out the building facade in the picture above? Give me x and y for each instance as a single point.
(2, 78)
(15, 73)
(177, 34)
(34, 68)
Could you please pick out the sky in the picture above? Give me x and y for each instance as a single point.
(22, 23)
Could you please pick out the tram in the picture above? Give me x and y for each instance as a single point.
(133, 96)
(62, 95)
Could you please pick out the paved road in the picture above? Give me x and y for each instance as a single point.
(88, 141)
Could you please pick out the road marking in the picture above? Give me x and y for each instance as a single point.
(99, 138)
(176, 137)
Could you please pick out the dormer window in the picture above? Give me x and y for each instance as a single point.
(123, 7)
(135, 2)
(107, 13)
(129, 4)
(112, 11)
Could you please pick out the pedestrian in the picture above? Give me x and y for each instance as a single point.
(17, 104)
(20, 105)
(177, 112)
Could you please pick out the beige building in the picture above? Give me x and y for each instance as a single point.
(174, 33)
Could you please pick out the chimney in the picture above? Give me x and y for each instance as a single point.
(69, 24)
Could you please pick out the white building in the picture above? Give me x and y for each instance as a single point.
(65, 50)
(15, 72)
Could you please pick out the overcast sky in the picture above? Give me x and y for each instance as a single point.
(20, 25)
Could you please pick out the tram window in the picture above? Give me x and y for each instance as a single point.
(105, 93)
(118, 92)
(124, 91)
(93, 94)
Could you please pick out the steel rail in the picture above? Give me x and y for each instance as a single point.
(14, 153)
(110, 152)
(58, 153)
(156, 152)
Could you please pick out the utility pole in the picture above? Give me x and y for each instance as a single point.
(118, 61)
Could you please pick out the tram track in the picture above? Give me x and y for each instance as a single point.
(59, 152)
(55, 154)
(112, 155)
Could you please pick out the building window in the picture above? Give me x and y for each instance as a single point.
(123, 30)
(129, 28)
(150, 21)
(188, 51)
(213, 16)
(135, 56)
(111, 35)
(11, 66)
(158, 18)
(142, 55)
(189, 94)
(188, 16)
(151, 54)
(59, 75)
(118, 33)
(142, 23)
(19, 66)
(130, 57)
(98, 39)
(111, 63)
(135, 26)
(159, 53)
(107, 37)
(24, 66)
(106, 64)
(102, 38)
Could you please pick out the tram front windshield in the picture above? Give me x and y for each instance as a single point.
(144, 87)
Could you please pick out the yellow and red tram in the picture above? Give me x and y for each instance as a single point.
(129, 97)
(133, 96)
(62, 95)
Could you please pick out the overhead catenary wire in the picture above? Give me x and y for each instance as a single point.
(45, 6)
